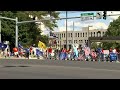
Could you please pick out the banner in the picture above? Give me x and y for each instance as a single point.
(105, 51)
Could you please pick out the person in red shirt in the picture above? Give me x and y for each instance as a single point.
(49, 52)
(31, 50)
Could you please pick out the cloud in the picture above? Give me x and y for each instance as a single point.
(79, 25)
(113, 13)
(60, 29)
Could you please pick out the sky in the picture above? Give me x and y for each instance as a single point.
(78, 24)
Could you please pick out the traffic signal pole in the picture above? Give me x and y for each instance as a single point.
(1, 26)
(16, 33)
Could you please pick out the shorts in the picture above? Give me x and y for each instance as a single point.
(16, 53)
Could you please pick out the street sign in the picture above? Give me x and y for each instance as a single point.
(99, 15)
(87, 16)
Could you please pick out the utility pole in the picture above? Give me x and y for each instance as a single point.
(88, 36)
(73, 34)
(0, 30)
(66, 29)
(16, 33)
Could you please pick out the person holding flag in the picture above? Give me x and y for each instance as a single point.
(42, 46)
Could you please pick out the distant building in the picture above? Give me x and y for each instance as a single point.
(78, 37)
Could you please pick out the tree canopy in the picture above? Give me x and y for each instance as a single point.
(113, 30)
(29, 33)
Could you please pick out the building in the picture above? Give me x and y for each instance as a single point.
(77, 37)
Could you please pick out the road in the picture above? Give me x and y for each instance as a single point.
(56, 69)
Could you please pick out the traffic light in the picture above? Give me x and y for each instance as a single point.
(104, 14)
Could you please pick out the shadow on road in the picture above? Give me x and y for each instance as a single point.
(16, 66)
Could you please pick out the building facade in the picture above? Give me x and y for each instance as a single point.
(77, 37)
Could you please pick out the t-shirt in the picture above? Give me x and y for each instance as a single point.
(64, 50)
(50, 50)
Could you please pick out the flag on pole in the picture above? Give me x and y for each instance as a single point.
(41, 45)
(20, 46)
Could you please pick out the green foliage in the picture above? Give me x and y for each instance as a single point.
(29, 33)
(93, 45)
(113, 30)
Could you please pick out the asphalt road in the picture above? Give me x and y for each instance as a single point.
(56, 69)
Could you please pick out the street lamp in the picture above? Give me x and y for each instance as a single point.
(0, 28)
(88, 36)
(66, 28)
(73, 34)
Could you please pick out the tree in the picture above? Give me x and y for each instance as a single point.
(113, 30)
(29, 33)
(94, 45)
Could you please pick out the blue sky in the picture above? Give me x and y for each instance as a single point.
(97, 24)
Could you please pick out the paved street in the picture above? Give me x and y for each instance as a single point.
(47, 69)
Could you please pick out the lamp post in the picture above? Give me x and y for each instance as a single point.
(73, 34)
(0, 30)
(88, 36)
(66, 28)
(16, 33)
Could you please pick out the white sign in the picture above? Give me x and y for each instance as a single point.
(105, 51)
(87, 16)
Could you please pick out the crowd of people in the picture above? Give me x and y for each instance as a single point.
(75, 53)
(83, 54)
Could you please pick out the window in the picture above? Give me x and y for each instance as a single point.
(78, 34)
(85, 41)
(74, 41)
(60, 36)
(86, 34)
(58, 41)
(79, 41)
(83, 34)
(91, 34)
(71, 34)
(75, 34)
(103, 33)
(64, 35)
(94, 34)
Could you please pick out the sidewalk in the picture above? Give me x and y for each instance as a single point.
(20, 58)
(12, 58)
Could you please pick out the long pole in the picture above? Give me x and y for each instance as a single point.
(73, 34)
(0, 30)
(66, 29)
(88, 37)
(16, 33)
